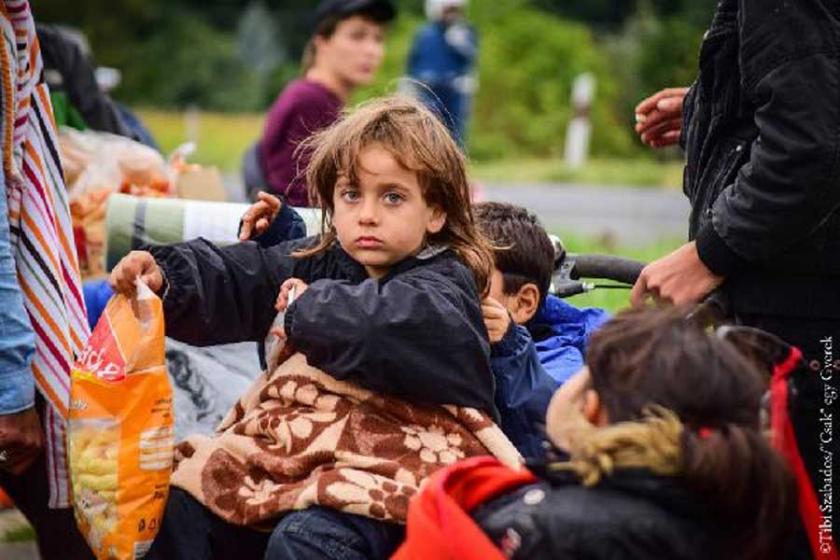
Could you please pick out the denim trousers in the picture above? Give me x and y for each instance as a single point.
(190, 531)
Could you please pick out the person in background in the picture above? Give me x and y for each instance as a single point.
(344, 52)
(442, 59)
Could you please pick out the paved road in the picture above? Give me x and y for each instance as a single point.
(630, 215)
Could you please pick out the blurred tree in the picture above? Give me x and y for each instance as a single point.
(236, 55)
(610, 13)
(615, 13)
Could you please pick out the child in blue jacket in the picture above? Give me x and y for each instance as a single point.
(538, 341)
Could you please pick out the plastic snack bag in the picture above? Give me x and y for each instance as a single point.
(120, 431)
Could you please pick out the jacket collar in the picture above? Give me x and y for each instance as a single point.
(357, 273)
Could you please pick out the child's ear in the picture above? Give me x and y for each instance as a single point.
(594, 413)
(437, 220)
(525, 303)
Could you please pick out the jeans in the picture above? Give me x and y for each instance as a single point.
(322, 533)
(17, 340)
(190, 531)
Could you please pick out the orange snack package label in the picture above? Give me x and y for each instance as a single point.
(120, 431)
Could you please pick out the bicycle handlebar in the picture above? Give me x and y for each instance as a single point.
(573, 267)
(620, 269)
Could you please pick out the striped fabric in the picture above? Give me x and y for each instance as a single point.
(41, 230)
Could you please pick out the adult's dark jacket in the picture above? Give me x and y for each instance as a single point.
(630, 515)
(762, 134)
(416, 333)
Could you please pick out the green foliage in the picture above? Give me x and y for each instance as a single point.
(669, 54)
(527, 62)
(212, 76)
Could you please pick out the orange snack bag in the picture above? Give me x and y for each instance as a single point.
(120, 431)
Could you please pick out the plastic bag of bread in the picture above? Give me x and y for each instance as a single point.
(120, 430)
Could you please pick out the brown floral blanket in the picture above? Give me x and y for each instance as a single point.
(300, 437)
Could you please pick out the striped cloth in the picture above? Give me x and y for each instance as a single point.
(41, 230)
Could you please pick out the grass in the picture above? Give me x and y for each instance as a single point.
(599, 171)
(24, 533)
(223, 138)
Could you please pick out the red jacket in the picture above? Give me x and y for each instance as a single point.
(439, 523)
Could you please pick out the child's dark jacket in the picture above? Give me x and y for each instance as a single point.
(417, 333)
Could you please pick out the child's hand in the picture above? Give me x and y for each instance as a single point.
(259, 216)
(496, 319)
(136, 263)
(289, 290)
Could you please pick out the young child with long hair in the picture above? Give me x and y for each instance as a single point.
(660, 453)
(387, 317)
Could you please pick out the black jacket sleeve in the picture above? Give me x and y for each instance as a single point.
(788, 187)
(417, 335)
(218, 295)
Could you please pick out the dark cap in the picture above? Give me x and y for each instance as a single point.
(381, 11)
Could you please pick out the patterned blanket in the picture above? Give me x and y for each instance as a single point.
(299, 437)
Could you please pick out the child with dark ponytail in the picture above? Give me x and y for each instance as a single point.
(660, 453)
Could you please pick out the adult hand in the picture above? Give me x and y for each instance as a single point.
(259, 216)
(659, 117)
(136, 263)
(496, 319)
(21, 440)
(678, 278)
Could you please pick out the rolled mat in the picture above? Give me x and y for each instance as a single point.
(132, 222)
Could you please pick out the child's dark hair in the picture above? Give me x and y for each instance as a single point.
(690, 403)
(522, 249)
(420, 143)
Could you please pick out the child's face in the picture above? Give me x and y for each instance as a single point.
(522, 305)
(384, 218)
(574, 407)
(354, 51)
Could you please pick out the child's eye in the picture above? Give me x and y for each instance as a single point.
(394, 198)
(349, 195)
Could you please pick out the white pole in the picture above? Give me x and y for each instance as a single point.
(580, 128)
(192, 123)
